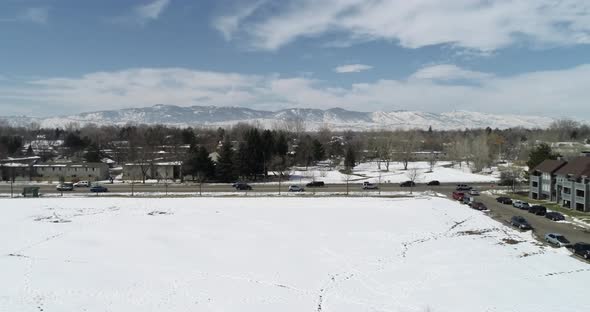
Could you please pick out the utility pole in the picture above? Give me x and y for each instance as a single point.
(11, 181)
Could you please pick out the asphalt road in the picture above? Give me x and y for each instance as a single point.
(265, 188)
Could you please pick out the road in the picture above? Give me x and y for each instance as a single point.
(264, 188)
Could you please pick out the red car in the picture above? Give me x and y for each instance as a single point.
(458, 195)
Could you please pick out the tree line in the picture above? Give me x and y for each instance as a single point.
(248, 152)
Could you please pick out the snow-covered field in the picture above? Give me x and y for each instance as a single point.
(275, 254)
(370, 172)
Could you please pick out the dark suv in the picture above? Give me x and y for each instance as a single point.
(538, 210)
(554, 216)
(407, 184)
(582, 250)
(315, 184)
(243, 187)
(521, 223)
(504, 200)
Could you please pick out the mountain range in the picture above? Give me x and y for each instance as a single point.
(310, 119)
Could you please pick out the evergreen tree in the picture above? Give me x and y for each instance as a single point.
(281, 145)
(199, 164)
(204, 166)
(92, 153)
(268, 149)
(30, 151)
(349, 159)
(188, 136)
(318, 150)
(225, 169)
(540, 153)
(252, 157)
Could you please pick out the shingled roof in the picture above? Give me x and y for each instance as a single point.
(550, 165)
(577, 167)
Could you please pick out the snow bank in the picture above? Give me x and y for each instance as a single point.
(275, 254)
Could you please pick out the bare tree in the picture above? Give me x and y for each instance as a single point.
(480, 153)
(201, 177)
(413, 175)
(405, 149)
(346, 177)
(432, 159)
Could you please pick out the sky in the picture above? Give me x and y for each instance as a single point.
(60, 57)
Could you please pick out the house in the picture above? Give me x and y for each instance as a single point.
(12, 169)
(564, 182)
(572, 185)
(542, 179)
(72, 171)
(152, 170)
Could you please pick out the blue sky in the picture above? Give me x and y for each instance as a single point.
(521, 57)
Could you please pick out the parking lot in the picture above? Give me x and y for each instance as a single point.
(541, 225)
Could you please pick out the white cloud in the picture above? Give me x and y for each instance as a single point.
(352, 68)
(228, 24)
(151, 11)
(481, 25)
(142, 14)
(38, 15)
(549, 93)
(449, 72)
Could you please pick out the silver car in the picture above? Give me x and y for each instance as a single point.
(296, 188)
(557, 240)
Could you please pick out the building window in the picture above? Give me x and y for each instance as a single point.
(567, 190)
(580, 193)
(535, 184)
(579, 206)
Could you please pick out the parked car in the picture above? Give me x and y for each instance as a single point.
(66, 186)
(520, 204)
(463, 187)
(235, 184)
(369, 186)
(538, 210)
(243, 187)
(296, 188)
(458, 195)
(315, 184)
(478, 206)
(473, 192)
(525, 206)
(582, 250)
(554, 216)
(433, 182)
(521, 223)
(504, 200)
(82, 184)
(99, 189)
(407, 184)
(557, 240)
(466, 200)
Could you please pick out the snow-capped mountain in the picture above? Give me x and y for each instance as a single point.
(311, 119)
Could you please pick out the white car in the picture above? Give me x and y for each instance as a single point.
(296, 188)
(474, 192)
(82, 184)
(517, 203)
(557, 240)
(369, 186)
